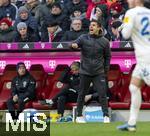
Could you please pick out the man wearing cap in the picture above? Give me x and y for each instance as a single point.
(76, 3)
(57, 13)
(7, 32)
(51, 32)
(23, 90)
(116, 11)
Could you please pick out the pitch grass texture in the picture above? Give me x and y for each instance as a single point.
(97, 129)
(88, 129)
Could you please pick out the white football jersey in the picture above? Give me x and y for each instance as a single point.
(137, 26)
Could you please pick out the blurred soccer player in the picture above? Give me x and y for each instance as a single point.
(137, 26)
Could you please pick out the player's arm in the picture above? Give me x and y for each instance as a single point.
(127, 26)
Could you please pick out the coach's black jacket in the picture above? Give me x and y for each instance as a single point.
(95, 54)
(24, 86)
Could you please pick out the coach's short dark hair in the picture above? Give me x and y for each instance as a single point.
(96, 21)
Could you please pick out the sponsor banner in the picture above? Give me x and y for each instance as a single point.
(42, 45)
(8, 46)
(93, 114)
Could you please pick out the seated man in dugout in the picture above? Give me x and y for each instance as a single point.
(70, 77)
(23, 90)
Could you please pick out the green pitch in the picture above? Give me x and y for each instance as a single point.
(88, 129)
(97, 129)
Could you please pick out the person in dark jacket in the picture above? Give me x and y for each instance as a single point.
(25, 16)
(33, 7)
(100, 14)
(51, 32)
(25, 34)
(23, 90)
(69, 93)
(44, 9)
(95, 62)
(56, 13)
(77, 13)
(7, 9)
(76, 3)
(117, 37)
(7, 32)
(75, 32)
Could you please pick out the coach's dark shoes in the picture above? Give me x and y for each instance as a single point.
(127, 127)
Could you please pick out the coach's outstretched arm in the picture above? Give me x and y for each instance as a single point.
(77, 43)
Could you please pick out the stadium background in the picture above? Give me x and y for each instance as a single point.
(39, 13)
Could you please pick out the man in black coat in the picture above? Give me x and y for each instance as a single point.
(8, 10)
(23, 90)
(95, 62)
(75, 3)
(56, 13)
(51, 32)
(76, 31)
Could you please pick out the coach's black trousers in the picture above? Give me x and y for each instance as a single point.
(100, 84)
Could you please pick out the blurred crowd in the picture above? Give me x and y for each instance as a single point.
(58, 20)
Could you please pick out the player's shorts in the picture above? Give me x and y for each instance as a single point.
(142, 71)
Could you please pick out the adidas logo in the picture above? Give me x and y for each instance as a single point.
(26, 46)
(128, 45)
(60, 46)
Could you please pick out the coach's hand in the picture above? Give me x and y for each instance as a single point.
(74, 45)
(15, 98)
